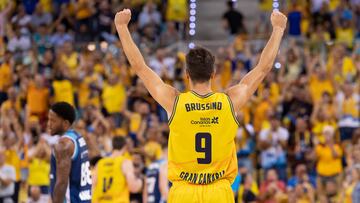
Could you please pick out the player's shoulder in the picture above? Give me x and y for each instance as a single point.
(64, 147)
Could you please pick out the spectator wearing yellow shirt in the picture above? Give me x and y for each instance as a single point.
(12, 104)
(62, 89)
(261, 110)
(349, 110)
(320, 118)
(38, 98)
(6, 77)
(39, 171)
(329, 165)
(114, 98)
(70, 57)
(319, 81)
(12, 141)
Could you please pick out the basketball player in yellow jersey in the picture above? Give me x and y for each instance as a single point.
(201, 160)
(115, 177)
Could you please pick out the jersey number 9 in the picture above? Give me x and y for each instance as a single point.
(206, 149)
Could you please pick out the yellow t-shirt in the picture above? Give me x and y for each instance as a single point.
(47, 5)
(226, 74)
(13, 159)
(201, 143)
(318, 127)
(114, 97)
(154, 150)
(333, 4)
(39, 171)
(345, 36)
(350, 108)
(260, 114)
(37, 99)
(348, 193)
(348, 67)
(135, 122)
(177, 10)
(327, 165)
(265, 5)
(71, 61)
(111, 186)
(317, 88)
(63, 91)
(5, 75)
(84, 89)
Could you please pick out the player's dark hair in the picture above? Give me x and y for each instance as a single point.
(64, 110)
(118, 142)
(200, 64)
(95, 160)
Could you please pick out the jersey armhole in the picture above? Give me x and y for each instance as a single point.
(75, 147)
(174, 109)
(232, 110)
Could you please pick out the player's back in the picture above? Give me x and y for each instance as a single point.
(153, 182)
(79, 186)
(111, 183)
(201, 143)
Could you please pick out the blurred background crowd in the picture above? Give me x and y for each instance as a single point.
(299, 136)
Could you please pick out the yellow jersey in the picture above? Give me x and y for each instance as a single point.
(63, 91)
(39, 171)
(201, 143)
(111, 183)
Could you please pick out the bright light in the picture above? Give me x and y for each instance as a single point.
(192, 32)
(193, 1)
(193, 5)
(91, 47)
(104, 46)
(192, 12)
(192, 25)
(275, 5)
(192, 18)
(191, 45)
(277, 65)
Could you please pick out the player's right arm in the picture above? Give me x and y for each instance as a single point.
(63, 153)
(164, 94)
(242, 92)
(134, 184)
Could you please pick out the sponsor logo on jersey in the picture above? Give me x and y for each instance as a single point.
(206, 121)
(201, 178)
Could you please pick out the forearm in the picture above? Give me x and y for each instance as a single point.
(60, 190)
(131, 51)
(270, 51)
(267, 58)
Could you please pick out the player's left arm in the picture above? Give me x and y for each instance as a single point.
(241, 93)
(63, 153)
(164, 182)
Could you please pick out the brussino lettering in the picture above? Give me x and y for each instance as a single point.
(202, 107)
(201, 178)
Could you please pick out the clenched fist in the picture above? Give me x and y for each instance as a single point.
(123, 17)
(278, 20)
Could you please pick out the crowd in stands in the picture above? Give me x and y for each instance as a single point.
(299, 136)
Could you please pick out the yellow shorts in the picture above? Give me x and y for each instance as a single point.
(218, 192)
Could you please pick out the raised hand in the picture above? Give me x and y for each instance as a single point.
(278, 20)
(122, 17)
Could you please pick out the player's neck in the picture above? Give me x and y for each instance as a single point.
(116, 153)
(201, 88)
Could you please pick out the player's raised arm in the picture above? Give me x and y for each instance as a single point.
(63, 153)
(164, 94)
(240, 93)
